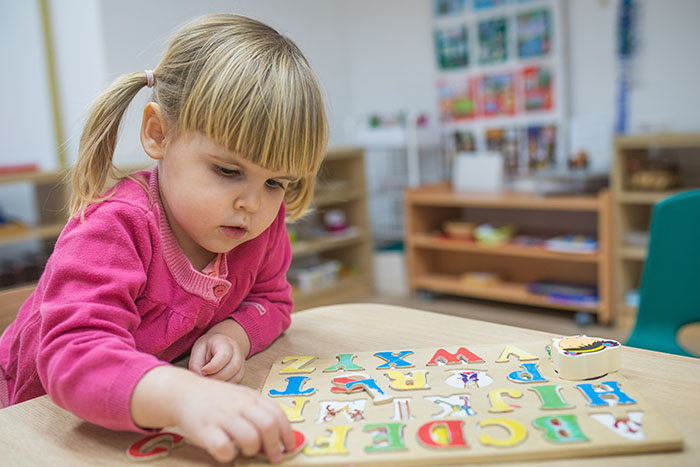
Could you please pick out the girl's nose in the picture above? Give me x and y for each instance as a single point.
(248, 200)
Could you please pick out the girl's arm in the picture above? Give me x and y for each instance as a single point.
(222, 418)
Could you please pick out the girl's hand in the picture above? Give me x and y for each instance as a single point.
(218, 356)
(226, 419)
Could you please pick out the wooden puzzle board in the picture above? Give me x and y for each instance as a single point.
(505, 418)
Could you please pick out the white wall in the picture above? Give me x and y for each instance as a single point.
(371, 56)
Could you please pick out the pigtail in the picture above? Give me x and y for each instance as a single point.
(94, 167)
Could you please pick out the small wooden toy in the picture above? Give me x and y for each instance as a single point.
(582, 357)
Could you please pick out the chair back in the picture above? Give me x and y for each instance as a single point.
(670, 289)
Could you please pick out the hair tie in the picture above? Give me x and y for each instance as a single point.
(150, 78)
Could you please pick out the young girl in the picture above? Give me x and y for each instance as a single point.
(190, 255)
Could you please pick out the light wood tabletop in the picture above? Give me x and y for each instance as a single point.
(37, 432)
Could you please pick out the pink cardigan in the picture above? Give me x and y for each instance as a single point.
(118, 298)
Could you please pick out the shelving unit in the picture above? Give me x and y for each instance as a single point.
(435, 263)
(632, 208)
(340, 185)
(51, 200)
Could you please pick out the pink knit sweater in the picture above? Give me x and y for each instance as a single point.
(118, 298)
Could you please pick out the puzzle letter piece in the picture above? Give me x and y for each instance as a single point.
(550, 396)
(462, 355)
(511, 349)
(370, 385)
(582, 357)
(345, 363)
(297, 363)
(497, 403)
(442, 434)
(394, 360)
(294, 384)
(340, 382)
(416, 379)
(154, 447)
(294, 414)
(516, 430)
(385, 437)
(599, 397)
(530, 374)
(560, 428)
(333, 444)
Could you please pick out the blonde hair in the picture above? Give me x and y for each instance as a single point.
(236, 80)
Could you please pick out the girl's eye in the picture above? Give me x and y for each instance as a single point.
(226, 172)
(272, 183)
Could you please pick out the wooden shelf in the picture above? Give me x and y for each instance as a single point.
(645, 197)
(305, 247)
(327, 199)
(345, 289)
(435, 263)
(659, 140)
(632, 209)
(442, 195)
(43, 232)
(507, 292)
(448, 244)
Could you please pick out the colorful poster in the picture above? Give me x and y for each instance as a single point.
(480, 5)
(534, 35)
(463, 140)
(452, 47)
(497, 94)
(493, 41)
(505, 141)
(457, 99)
(541, 146)
(538, 89)
(448, 7)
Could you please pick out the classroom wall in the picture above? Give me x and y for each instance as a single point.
(371, 56)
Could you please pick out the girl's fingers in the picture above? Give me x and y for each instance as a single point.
(197, 358)
(220, 356)
(268, 428)
(246, 435)
(218, 443)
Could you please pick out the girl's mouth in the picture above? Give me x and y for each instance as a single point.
(235, 232)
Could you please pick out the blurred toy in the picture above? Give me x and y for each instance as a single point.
(572, 244)
(335, 220)
(487, 234)
(579, 161)
(459, 229)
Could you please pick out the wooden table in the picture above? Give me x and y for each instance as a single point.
(37, 432)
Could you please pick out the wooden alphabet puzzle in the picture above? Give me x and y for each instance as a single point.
(458, 404)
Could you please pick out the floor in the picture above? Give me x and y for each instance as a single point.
(553, 321)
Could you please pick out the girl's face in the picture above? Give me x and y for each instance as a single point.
(214, 199)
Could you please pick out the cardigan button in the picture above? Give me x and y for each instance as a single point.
(219, 291)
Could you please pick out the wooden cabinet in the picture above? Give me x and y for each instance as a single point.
(340, 186)
(436, 263)
(632, 205)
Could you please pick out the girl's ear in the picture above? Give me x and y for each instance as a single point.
(153, 130)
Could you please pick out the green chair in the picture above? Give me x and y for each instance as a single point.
(670, 290)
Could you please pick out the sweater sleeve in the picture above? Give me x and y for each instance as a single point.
(265, 312)
(87, 359)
